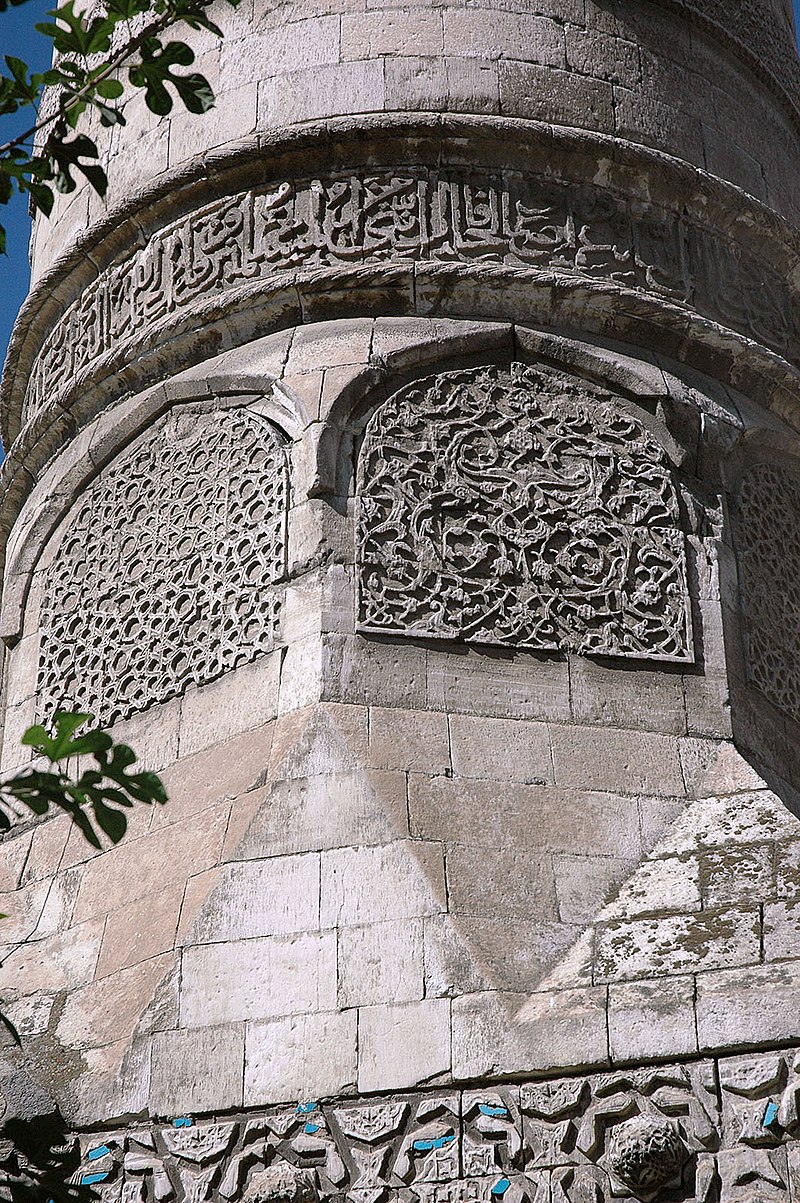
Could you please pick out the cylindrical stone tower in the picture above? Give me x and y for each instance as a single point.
(405, 460)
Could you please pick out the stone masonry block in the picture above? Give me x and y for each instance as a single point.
(489, 33)
(782, 931)
(500, 749)
(755, 1006)
(509, 882)
(416, 83)
(289, 47)
(371, 672)
(226, 770)
(651, 1021)
(399, 31)
(108, 1010)
(677, 944)
(402, 1045)
(737, 874)
(489, 815)
(300, 1057)
(329, 91)
(403, 880)
(273, 897)
(546, 94)
(519, 687)
(239, 701)
(743, 818)
(622, 697)
(323, 739)
(411, 740)
(634, 762)
(258, 979)
(498, 1033)
(381, 963)
(591, 52)
(325, 345)
(327, 811)
(61, 962)
(585, 883)
(200, 1070)
(141, 930)
(659, 885)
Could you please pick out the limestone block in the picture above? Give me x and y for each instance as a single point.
(510, 882)
(289, 47)
(195, 893)
(200, 1070)
(627, 697)
(758, 1005)
(781, 931)
(143, 929)
(369, 672)
(273, 897)
(139, 868)
(472, 85)
(332, 810)
(742, 818)
(237, 702)
(737, 874)
(669, 883)
(484, 33)
(787, 868)
(226, 770)
(22, 665)
(591, 52)
(500, 749)
(411, 740)
(381, 963)
(258, 979)
(243, 811)
(635, 762)
(300, 1057)
(467, 953)
(416, 83)
(301, 675)
(330, 91)
(63, 961)
(323, 739)
(545, 94)
(233, 117)
(585, 883)
(488, 814)
(519, 687)
(652, 1020)
(643, 117)
(402, 880)
(656, 816)
(677, 944)
(47, 842)
(14, 851)
(400, 31)
(16, 721)
(400, 1046)
(497, 1033)
(332, 344)
(108, 1010)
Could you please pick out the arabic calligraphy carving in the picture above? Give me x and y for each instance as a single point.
(168, 571)
(528, 509)
(445, 216)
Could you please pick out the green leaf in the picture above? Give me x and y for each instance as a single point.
(111, 821)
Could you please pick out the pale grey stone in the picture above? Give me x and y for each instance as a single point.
(500, 749)
(199, 1070)
(782, 931)
(598, 758)
(519, 687)
(381, 963)
(415, 741)
(403, 880)
(515, 883)
(630, 697)
(300, 1057)
(237, 702)
(400, 31)
(545, 94)
(258, 979)
(273, 897)
(754, 1006)
(676, 944)
(585, 883)
(652, 1020)
(402, 1045)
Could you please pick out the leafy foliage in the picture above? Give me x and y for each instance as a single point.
(93, 58)
(97, 799)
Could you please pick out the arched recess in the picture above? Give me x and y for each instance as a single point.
(523, 507)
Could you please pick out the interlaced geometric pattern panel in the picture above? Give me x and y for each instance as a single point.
(168, 572)
(524, 508)
(768, 522)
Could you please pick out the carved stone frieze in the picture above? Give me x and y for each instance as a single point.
(168, 567)
(529, 509)
(766, 529)
(413, 215)
(702, 1132)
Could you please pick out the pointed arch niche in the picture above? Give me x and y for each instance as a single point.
(521, 507)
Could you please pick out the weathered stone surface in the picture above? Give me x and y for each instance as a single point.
(500, 749)
(649, 1020)
(677, 944)
(381, 963)
(402, 1045)
(626, 761)
(403, 880)
(749, 1006)
(278, 1067)
(197, 1070)
(409, 740)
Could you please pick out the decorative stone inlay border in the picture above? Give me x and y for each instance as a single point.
(415, 214)
(701, 1131)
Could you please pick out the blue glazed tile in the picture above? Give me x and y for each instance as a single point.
(306, 1108)
(485, 1109)
(91, 1179)
(770, 1115)
(500, 1187)
(310, 1129)
(182, 1121)
(98, 1151)
(423, 1146)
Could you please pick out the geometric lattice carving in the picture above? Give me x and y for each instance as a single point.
(524, 508)
(768, 542)
(167, 573)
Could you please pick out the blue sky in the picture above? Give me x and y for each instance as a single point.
(20, 38)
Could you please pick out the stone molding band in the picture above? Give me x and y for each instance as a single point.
(700, 1131)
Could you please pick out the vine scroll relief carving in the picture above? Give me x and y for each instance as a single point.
(524, 508)
(168, 572)
(768, 522)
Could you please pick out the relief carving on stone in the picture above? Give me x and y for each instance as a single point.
(168, 571)
(767, 542)
(700, 1132)
(412, 215)
(525, 508)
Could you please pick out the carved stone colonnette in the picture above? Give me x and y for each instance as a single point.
(409, 215)
(701, 1131)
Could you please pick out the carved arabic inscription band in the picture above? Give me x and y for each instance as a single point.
(414, 215)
